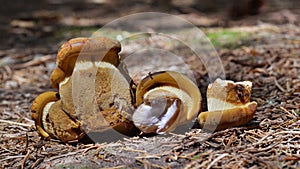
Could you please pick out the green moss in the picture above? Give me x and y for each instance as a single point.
(219, 37)
(71, 32)
(195, 157)
(227, 38)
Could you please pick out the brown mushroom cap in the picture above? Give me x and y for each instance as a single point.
(93, 49)
(37, 109)
(165, 99)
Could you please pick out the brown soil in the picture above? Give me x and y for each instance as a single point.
(271, 61)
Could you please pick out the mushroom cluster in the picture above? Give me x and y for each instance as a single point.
(157, 104)
(108, 98)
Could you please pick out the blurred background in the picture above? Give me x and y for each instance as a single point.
(33, 23)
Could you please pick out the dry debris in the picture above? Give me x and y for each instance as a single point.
(270, 140)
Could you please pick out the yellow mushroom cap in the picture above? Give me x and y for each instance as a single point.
(164, 100)
(222, 119)
(51, 121)
(37, 109)
(174, 79)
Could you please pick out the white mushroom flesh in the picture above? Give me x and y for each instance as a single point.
(47, 127)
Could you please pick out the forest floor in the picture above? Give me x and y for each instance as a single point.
(264, 49)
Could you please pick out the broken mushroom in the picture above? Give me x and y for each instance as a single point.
(164, 100)
(51, 121)
(110, 95)
(37, 109)
(109, 101)
(228, 105)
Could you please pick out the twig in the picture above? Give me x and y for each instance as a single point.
(116, 167)
(27, 141)
(148, 156)
(5, 149)
(62, 155)
(147, 164)
(216, 160)
(38, 161)
(189, 155)
(265, 149)
(25, 159)
(278, 85)
(12, 157)
(289, 146)
(230, 141)
(288, 113)
(34, 62)
(97, 146)
(288, 132)
(133, 150)
(262, 139)
(15, 123)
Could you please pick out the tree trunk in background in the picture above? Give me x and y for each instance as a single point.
(163, 4)
(240, 8)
